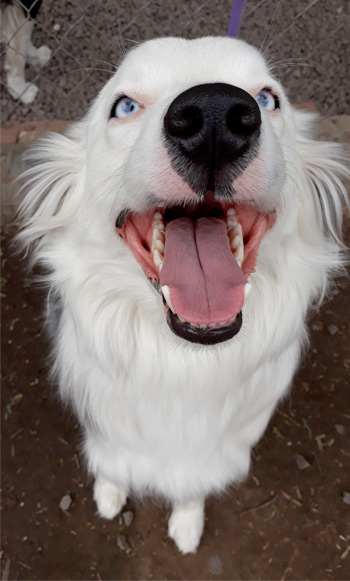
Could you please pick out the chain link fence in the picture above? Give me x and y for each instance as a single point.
(307, 43)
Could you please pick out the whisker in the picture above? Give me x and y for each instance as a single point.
(294, 20)
(117, 40)
(255, 8)
(98, 60)
(90, 69)
(328, 36)
(132, 21)
(271, 22)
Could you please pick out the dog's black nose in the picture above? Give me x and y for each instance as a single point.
(211, 133)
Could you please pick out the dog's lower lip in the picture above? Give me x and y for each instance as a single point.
(210, 336)
(121, 219)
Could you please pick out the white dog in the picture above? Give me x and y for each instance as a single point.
(190, 176)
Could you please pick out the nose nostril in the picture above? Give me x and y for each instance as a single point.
(186, 122)
(208, 131)
(242, 120)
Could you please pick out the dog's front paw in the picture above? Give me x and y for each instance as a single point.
(109, 498)
(186, 525)
(19, 89)
(43, 55)
(29, 94)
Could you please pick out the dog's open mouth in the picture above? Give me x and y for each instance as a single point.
(199, 257)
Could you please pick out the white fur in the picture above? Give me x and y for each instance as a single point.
(186, 526)
(108, 497)
(161, 415)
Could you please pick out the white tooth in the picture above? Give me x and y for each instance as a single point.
(235, 237)
(159, 245)
(231, 212)
(203, 326)
(181, 320)
(231, 223)
(238, 230)
(157, 258)
(157, 216)
(239, 254)
(157, 224)
(247, 289)
(235, 242)
(157, 234)
(239, 262)
(166, 295)
(161, 204)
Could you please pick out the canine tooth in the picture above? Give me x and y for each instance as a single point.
(231, 212)
(157, 258)
(157, 216)
(247, 289)
(166, 295)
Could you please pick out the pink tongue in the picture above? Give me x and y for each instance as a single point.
(205, 282)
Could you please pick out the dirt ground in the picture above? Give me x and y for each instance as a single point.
(289, 520)
(307, 43)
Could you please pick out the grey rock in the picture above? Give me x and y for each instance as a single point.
(65, 502)
(301, 461)
(332, 329)
(215, 565)
(123, 543)
(128, 517)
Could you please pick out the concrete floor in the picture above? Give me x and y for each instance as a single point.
(307, 43)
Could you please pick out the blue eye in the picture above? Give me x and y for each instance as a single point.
(267, 101)
(125, 107)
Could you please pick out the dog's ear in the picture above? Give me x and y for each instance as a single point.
(325, 166)
(53, 184)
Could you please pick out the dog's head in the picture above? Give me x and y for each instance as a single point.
(188, 157)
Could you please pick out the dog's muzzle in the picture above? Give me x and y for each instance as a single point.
(211, 132)
(199, 255)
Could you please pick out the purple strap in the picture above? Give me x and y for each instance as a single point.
(236, 17)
